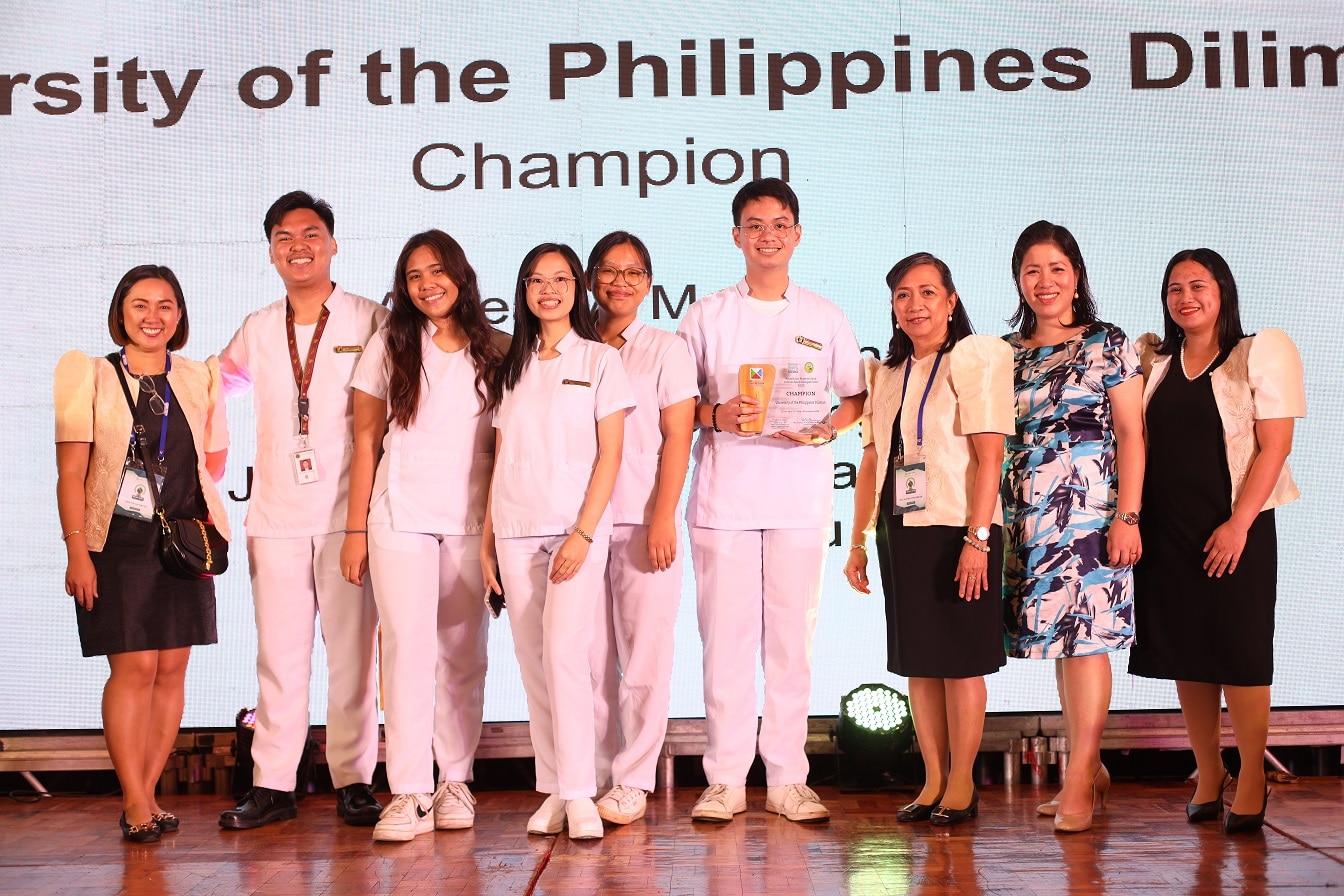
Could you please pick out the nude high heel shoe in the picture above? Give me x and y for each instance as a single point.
(1101, 780)
(1082, 821)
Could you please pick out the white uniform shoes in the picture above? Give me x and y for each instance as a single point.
(622, 805)
(549, 819)
(720, 802)
(583, 820)
(407, 815)
(796, 802)
(454, 807)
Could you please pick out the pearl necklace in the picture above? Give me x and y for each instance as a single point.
(1203, 371)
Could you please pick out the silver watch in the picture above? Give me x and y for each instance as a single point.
(979, 533)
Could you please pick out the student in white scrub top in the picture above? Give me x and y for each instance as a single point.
(297, 357)
(632, 646)
(559, 401)
(415, 526)
(760, 507)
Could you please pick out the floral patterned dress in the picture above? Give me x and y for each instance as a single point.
(1059, 493)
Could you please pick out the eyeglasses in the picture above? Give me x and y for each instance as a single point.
(756, 231)
(539, 284)
(632, 276)
(157, 405)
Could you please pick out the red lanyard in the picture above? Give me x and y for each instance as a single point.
(303, 376)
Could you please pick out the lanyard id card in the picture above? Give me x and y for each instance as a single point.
(907, 486)
(909, 481)
(133, 498)
(305, 466)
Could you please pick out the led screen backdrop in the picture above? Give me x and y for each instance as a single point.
(136, 133)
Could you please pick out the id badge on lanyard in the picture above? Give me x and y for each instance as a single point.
(909, 481)
(133, 498)
(304, 460)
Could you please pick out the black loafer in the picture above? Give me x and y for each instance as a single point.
(943, 816)
(915, 811)
(357, 806)
(139, 833)
(167, 822)
(261, 806)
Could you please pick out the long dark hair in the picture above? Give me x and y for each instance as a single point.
(116, 320)
(527, 326)
(1229, 311)
(405, 327)
(958, 327)
(1084, 308)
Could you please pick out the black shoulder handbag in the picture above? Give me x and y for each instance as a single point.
(188, 548)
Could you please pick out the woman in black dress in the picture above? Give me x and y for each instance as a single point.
(937, 412)
(128, 609)
(1219, 408)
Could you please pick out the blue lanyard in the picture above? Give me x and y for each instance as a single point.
(167, 401)
(919, 419)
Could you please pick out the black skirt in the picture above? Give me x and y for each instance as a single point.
(931, 631)
(1189, 627)
(139, 606)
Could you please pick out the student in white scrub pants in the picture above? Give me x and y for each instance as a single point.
(632, 645)
(297, 356)
(415, 526)
(559, 401)
(760, 508)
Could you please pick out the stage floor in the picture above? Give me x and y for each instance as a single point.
(1141, 844)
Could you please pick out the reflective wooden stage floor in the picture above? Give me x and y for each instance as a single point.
(1141, 844)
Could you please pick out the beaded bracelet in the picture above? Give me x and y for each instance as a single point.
(582, 534)
(714, 417)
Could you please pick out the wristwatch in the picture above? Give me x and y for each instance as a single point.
(1130, 518)
(979, 533)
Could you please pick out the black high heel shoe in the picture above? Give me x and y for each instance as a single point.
(142, 833)
(943, 816)
(914, 811)
(1210, 811)
(1246, 824)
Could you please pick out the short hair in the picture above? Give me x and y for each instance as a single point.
(292, 201)
(1041, 232)
(765, 188)
(116, 322)
(901, 347)
(611, 241)
(1229, 308)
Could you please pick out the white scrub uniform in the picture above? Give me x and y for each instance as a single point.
(548, 423)
(426, 513)
(294, 535)
(760, 515)
(632, 642)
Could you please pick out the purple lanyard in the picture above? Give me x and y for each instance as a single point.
(919, 418)
(167, 399)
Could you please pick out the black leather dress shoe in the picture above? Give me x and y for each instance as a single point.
(356, 804)
(944, 817)
(261, 806)
(914, 811)
(139, 833)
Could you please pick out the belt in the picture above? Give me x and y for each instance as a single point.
(1060, 439)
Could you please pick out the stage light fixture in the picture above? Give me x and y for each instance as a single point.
(875, 727)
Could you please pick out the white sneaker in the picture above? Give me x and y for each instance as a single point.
(720, 802)
(454, 807)
(407, 815)
(622, 805)
(584, 822)
(796, 802)
(549, 819)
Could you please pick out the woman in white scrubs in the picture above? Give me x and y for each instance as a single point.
(414, 523)
(559, 400)
(632, 646)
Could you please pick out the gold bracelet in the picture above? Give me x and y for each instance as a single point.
(859, 547)
(71, 534)
(582, 534)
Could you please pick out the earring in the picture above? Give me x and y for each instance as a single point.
(898, 325)
(1075, 295)
(949, 318)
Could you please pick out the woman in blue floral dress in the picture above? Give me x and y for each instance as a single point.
(1071, 491)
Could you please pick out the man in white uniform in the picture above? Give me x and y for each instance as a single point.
(297, 356)
(760, 508)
